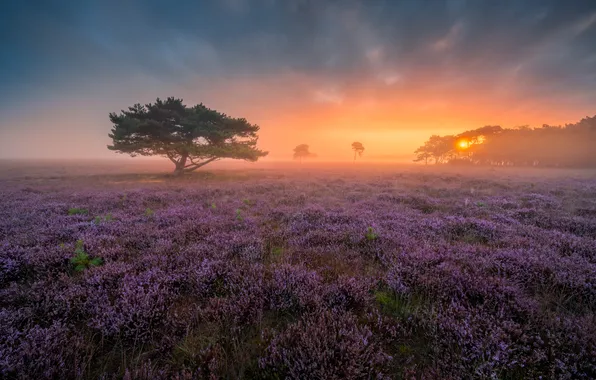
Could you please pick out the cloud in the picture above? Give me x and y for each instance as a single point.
(374, 55)
(449, 40)
(328, 95)
(338, 39)
(390, 78)
(585, 23)
(236, 5)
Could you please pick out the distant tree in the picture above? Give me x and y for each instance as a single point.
(469, 142)
(302, 151)
(440, 148)
(358, 149)
(190, 137)
(422, 156)
(551, 146)
(476, 136)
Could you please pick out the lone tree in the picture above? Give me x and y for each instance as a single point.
(302, 151)
(358, 149)
(190, 137)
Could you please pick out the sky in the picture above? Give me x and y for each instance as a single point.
(387, 73)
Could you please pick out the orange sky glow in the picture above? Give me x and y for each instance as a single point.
(391, 118)
(324, 74)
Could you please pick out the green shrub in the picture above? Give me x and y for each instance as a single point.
(77, 211)
(98, 219)
(370, 234)
(81, 260)
(393, 305)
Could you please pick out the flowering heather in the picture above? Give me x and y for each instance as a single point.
(320, 276)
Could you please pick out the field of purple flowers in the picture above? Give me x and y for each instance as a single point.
(300, 276)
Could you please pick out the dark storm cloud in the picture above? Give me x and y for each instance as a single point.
(544, 45)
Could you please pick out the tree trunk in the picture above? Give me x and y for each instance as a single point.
(180, 164)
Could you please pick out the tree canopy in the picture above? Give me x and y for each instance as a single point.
(358, 149)
(438, 148)
(564, 146)
(190, 137)
(302, 151)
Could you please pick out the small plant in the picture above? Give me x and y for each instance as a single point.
(404, 349)
(213, 206)
(77, 211)
(277, 251)
(98, 219)
(239, 214)
(390, 304)
(480, 204)
(370, 234)
(248, 202)
(149, 213)
(81, 260)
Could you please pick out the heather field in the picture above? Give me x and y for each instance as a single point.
(350, 272)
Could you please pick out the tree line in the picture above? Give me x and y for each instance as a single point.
(571, 145)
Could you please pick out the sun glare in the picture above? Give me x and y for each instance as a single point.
(463, 144)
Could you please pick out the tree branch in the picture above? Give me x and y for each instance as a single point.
(171, 157)
(199, 163)
(195, 165)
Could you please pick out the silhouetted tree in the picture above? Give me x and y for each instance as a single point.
(554, 146)
(302, 151)
(358, 149)
(437, 147)
(422, 156)
(190, 137)
(473, 140)
(568, 146)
